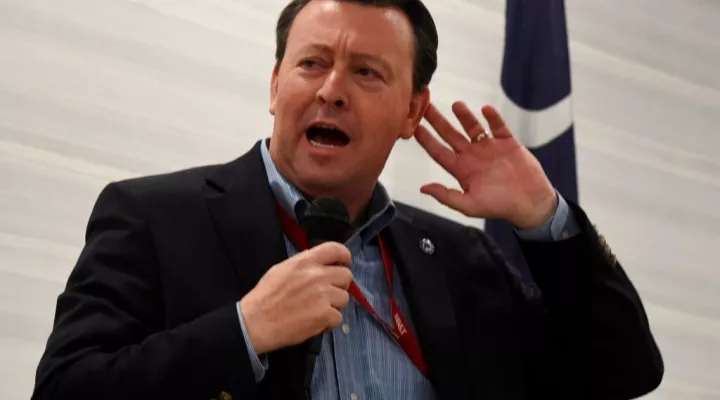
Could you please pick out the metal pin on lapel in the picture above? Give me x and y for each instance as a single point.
(427, 246)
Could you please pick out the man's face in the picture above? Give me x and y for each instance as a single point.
(347, 67)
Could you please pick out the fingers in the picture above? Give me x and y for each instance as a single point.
(334, 318)
(328, 253)
(338, 276)
(445, 129)
(473, 126)
(337, 297)
(441, 154)
(452, 198)
(331, 263)
(469, 122)
(496, 122)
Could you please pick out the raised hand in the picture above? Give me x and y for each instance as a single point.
(499, 178)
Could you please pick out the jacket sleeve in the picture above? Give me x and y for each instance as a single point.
(592, 339)
(109, 338)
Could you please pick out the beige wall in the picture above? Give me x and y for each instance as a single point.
(98, 90)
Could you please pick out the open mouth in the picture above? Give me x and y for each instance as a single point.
(327, 136)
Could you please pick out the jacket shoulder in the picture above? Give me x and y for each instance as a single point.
(161, 193)
(174, 184)
(428, 221)
(463, 238)
(191, 181)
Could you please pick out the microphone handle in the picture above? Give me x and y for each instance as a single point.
(310, 359)
(315, 343)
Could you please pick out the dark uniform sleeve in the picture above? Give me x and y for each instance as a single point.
(592, 339)
(109, 340)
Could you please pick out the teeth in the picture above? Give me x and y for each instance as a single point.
(325, 126)
(322, 145)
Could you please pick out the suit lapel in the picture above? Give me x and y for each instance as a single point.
(242, 206)
(426, 289)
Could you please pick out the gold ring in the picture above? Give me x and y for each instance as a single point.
(480, 136)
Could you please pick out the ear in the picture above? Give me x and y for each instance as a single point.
(418, 105)
(274, 87)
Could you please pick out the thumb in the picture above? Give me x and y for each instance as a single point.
(329, 253)
(452, 198)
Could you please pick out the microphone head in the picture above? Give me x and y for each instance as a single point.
(326, 219)
(330, 207)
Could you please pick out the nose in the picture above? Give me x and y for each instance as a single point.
(333, 92)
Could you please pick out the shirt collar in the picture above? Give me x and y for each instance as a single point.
(381, 210)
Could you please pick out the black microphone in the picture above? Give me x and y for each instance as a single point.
(326, 219)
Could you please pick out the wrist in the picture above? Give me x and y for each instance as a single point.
(254, 326)
(538, 215)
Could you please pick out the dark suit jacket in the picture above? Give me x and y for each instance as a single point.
(149, 310)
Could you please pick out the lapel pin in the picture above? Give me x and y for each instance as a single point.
(427, 246)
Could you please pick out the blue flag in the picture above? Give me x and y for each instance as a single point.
(537, 101)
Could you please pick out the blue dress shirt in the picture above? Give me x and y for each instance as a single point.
(359, 359)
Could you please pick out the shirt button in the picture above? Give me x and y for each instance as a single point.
(353, 396)
(346, 330)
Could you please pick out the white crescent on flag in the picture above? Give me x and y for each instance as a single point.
(535, 128)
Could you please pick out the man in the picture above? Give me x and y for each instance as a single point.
(196, 284)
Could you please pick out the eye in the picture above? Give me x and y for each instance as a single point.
(369, 72)
(308, 63)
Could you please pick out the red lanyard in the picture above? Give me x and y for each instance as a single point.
(399, 331)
